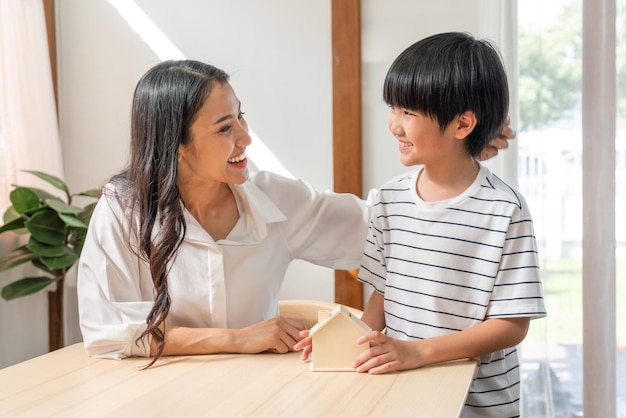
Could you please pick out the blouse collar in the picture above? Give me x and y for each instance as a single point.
(256, 211)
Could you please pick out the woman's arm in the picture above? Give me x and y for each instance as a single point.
(114, 291)
(323, 228)
(278, 335)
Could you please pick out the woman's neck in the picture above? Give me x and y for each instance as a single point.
(213, 206)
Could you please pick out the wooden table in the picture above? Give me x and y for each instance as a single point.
(67, 383)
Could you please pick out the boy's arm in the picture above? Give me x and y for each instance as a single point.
(388, 354)
(374, 314)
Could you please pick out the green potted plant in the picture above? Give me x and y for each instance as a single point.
(57, 231)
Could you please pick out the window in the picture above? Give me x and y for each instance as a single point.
(551, 178)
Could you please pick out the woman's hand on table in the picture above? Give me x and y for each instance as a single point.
(278, 335)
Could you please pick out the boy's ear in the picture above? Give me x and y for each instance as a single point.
(465, 124)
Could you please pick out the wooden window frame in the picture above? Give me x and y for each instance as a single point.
(347, 161)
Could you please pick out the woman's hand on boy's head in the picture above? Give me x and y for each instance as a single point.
(499, 142)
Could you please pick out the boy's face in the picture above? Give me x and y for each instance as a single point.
(420, 140)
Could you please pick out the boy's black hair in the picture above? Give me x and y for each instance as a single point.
(447, 74)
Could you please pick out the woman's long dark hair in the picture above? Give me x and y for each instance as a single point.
(165, 104)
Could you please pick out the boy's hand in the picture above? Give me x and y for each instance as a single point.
(386, 354)
(305, 344)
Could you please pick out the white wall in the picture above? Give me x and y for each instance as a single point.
(386, 32)
(278, 53)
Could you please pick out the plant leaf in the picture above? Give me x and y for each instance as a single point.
(55, 181)
(26, 286)
(42, 194)
(46, 227)
(63, 262)
(77, 239)
(72, 221)
(44, 250)
(86, 215)
(90, 193)
(13, 225)
(37, 263)
(10, 214)
(24, 200)
(61, 207)
(16, 257)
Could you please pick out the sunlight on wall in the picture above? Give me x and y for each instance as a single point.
(147, 30)
(262, 157)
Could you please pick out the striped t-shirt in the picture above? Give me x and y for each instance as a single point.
(446, 266)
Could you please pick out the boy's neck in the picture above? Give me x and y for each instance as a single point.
(437, 183)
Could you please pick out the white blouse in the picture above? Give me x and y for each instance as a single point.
(231, 283)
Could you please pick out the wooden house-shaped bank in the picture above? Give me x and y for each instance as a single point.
(334, 336)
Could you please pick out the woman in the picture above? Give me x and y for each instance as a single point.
(185, 215)
(186, 251)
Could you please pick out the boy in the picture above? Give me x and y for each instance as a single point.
(450, 251)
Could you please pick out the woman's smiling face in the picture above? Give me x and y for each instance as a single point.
(219, 137)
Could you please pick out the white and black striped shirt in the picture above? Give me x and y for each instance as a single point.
(446, 266)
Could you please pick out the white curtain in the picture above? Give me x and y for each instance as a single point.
(599, 260)
(29, 140)
(554, 383)
(28, 121)
(499, 23)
